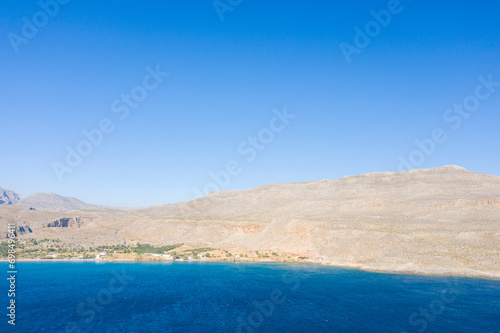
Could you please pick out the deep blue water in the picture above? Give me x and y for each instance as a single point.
(227, 297)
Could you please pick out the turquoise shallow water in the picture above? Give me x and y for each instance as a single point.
(233, 297)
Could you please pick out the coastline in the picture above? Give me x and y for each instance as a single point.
(380, 270)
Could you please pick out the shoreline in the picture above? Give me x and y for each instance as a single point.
(379, 270)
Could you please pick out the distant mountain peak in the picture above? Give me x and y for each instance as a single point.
(8, 197)
(455, 167)
(53, 202)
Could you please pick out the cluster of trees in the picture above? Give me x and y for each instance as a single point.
(195, 252)
(45, 240)
(147, 248)
(4, 249)
(45, 247)
(23, 247)
(110, 248)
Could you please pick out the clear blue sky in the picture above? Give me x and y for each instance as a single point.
(226, 77)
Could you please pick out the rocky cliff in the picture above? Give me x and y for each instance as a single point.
(8, 197)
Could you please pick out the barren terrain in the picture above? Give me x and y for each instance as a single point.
(430, 221)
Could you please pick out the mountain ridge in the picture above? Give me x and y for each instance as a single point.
(442, 221)
(53, 202)
(8, 197)
(42, 200)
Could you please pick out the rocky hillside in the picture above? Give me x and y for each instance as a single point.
(440, 221)
(43, 201)
(8, 197)
(53, 202)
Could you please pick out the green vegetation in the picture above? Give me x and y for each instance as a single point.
(112, 248)
(146, 248)
(4, 250)
(194, 252)
(203, 249)
(51, 249)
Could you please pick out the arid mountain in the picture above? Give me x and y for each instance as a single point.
(438, 221)
(8, 197)
(53, 202)
(43, 201)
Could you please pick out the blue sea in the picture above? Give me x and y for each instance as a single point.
(241, 297)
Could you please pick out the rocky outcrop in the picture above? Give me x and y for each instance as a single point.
(65, 222)
(24, 229)
(8, 197)
(21, 229)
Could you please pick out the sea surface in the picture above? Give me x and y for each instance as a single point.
(241, 297)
